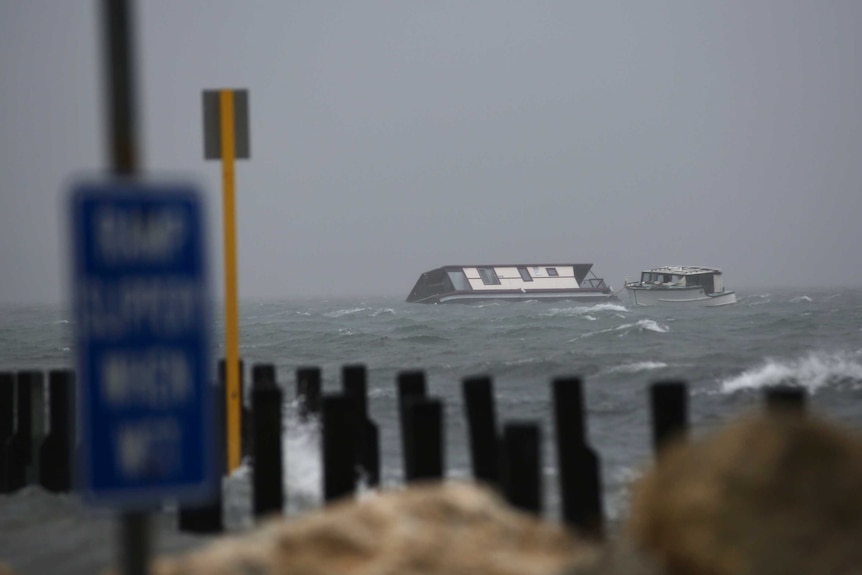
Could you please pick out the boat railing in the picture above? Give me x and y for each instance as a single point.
(594, 283)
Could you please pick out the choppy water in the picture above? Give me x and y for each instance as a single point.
(809, 337)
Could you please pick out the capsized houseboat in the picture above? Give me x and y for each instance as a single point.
(510, 282)
(680, 285)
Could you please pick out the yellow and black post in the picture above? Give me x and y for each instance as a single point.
(226, 137)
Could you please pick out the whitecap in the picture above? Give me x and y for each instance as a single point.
(638, 367)
(646, 325)
(387, 310)
(343, 312)
(801, 299)
(609, 307)
(812, 372)
(585, 310)
(626, 328)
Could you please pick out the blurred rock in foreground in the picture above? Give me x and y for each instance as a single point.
(774, 494)
(450, 528)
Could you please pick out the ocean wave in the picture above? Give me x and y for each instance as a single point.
(585, 310)
(380, 311)
(637, 367)
(801, 299)
(651, 325)
(641, 326)
(814, 371)
(343, 312)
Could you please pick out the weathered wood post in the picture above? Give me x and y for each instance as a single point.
(209, 517)
(478, 395)
(424, 426)
(340, 424)
(579, 470)
(354, 380)
(7, 425)
(56, 454)
(308, 392)
(17, 452)
(522, 466)
(411, 385)
(785, 398)
(37, 424)
(669, 409)
(267, 482)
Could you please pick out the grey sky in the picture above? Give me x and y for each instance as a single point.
(389, 138)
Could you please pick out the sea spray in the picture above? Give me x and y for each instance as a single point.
(812, 371)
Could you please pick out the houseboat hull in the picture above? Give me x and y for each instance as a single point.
(510, 282)
(693, 296)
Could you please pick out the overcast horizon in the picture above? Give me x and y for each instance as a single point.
(390, 138)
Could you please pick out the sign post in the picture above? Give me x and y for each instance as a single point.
(226, 137)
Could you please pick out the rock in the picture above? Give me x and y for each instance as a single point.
(772, 494)
(435, 528)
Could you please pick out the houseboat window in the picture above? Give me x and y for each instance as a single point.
(552, 272)
(525, 274)
(489, 276)
(459, 280)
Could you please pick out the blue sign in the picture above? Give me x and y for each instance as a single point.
(141, 303)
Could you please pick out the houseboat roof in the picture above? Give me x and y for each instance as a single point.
(580, 270)
(683, 270)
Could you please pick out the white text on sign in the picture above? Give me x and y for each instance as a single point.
(128, 236)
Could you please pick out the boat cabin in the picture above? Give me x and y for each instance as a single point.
(710, 279)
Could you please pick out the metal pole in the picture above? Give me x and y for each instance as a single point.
(234, 413)
(122, 145)
(122, 124)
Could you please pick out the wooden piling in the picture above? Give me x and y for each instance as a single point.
(479, 409)
(340, 424)
(669, 409)
(7, 424)
(522, 466)
(267, 475)
(56, 453)
(308, 392)
(17, 452)
(424, 424)
(208, 516)
(411, 385)
(579, 469)
(785, 398)
(354, 380)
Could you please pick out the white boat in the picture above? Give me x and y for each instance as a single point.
(680, 285)
(510, 282)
